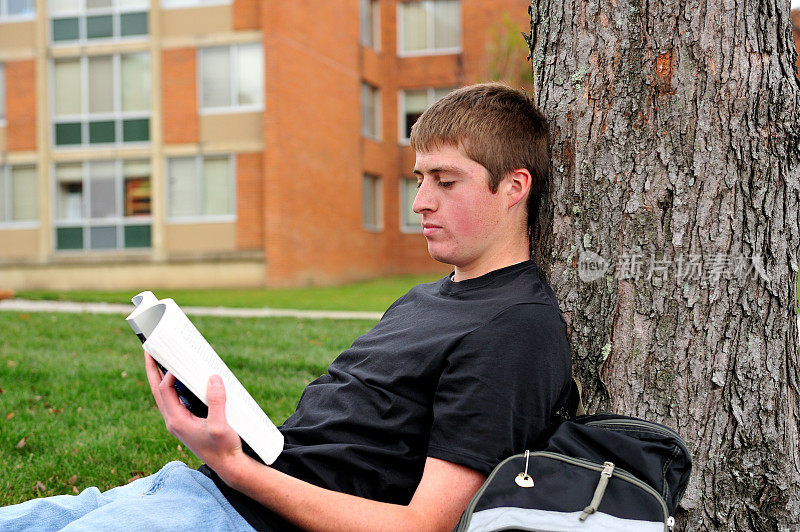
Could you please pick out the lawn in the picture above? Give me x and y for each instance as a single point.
(76, 411)
(375, 295)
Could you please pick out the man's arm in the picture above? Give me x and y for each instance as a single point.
(442, 494)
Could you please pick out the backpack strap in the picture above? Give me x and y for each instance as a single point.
(575, 401)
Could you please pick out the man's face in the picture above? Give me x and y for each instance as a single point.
(462, 220)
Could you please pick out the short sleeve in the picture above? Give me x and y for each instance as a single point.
(500, 387)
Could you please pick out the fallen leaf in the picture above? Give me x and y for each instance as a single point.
(12, 363)
(1, 391)
(80, 408)
(55, 410)
(136, 476)
(73, 479)
(124, 374)
(9, 416)
(116, 330)
(113, 470)
(37, 397)
(21, 443)
(75, 490)
(75, 450)
(24, 316)
(40, 486)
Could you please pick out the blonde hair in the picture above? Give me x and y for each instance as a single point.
(494, 125)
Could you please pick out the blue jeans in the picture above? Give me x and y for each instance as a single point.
(175, 498)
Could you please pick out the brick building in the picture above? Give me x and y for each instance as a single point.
(166, 143)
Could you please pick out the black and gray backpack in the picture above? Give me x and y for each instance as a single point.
(598, 472)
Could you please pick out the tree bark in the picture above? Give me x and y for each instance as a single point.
(670, 232)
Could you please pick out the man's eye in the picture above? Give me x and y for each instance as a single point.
(446, 184)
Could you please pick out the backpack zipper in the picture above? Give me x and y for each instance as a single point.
(638, 423)
(580, 462)
(605, 474)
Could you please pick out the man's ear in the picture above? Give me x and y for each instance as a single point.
(518, 185)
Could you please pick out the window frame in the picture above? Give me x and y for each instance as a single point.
(118, 116)
(5, 17)
(86, 222)
(401, 108)
(376, 98)
(82, 13)
(233, 81)
(5, 184)
(450, 50)
(198, 177)
(377, 189)
(188, 4)
(405, 227)
(375, 26)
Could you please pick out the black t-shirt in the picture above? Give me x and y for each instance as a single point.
(469, 372)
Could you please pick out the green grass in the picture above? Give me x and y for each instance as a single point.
(73, 386)
(375, 295)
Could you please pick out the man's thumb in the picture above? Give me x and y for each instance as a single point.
(216, 401)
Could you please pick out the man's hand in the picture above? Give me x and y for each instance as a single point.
(211, 438)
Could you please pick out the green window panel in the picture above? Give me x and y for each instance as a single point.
(104, 237)
(100, 132)
(65, 29)
(68, 133)
(136, 130)
(99, 27)
(69, 238)
(133, 24)
(137, 236)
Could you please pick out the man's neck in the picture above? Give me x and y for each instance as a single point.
(471, 271)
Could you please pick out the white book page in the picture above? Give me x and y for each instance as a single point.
(178, 346)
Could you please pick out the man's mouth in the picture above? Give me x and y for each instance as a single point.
(429, 229)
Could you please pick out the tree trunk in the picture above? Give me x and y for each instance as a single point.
(670, 233)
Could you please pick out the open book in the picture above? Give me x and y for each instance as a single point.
(172, 340)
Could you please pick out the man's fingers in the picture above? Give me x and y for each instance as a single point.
(217, 422)
(153, 377)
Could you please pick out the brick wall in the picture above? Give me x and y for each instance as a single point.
(20, 105)
(179, 85)
(249, 201)
(246, 14)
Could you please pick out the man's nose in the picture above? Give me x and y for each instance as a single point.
(424, 200)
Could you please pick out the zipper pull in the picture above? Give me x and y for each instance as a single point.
(608, 469)
(524, 480)
(670, 523)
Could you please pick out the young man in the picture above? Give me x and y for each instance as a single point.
(409, 421)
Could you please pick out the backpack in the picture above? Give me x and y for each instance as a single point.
(597, 472)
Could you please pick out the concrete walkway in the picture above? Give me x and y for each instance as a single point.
(27, 305)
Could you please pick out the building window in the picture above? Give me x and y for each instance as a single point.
(17, 9)
(201, 187)
(409, 220)
(101, 99)
(18, 198)
(413, 103)
(370, 111)
(429, 27)
(102, 205)
(373, 203)
(370, 24)
(90, 20)
(231, 78)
